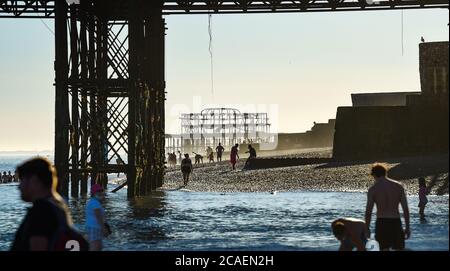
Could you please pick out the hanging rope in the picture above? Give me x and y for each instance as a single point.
(211, 52)
(402, 33)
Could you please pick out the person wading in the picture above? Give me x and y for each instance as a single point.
(387, 194)
(96, 227)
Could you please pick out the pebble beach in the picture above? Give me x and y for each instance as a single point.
(335, 176)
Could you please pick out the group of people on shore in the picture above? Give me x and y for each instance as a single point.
(48, 225)
(187, 167)
(387, 195)
(7, 178)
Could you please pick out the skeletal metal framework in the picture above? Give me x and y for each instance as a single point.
(109, 79)
(225, 125)
(111, 74)
(120, 8)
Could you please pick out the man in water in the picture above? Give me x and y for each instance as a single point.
(38, 183)
(351, 232)
(219, 150)
(387, 194)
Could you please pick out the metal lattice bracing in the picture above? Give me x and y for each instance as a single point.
(110, 96)
(120, 8)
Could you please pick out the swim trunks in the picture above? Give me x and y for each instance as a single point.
(389, 233)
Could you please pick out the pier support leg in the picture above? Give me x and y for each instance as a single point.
(61, 98)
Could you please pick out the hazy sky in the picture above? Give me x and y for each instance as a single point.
(298, 67)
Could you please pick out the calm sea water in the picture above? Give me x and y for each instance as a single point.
(182, 220)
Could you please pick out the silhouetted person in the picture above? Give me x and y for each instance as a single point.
(211, 157)
(119, 161)
(186, 168)
(234, 155)
(49, 212)
(172, 159)
(387, 194)
(9, 177)
(15, 177)
(422, 39)
(422, 197)
(180, 157)
(4, 177)
(219, 150)
(208, 151)
(352, 233)
(252, 154)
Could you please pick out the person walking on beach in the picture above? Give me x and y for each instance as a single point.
(96, 227)
(252, 154)
(234, 155)
(180, 157)
(186, 168)
(422, 197)
(49, 215)
(209, 150)
(219, 150)
(387, 194)
(351, 232)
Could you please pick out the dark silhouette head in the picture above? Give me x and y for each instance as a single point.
(236, 145)
(422, 182)
(378, 170)
(186, 155)
(220, 144)
(37, 178)
(249, 146)
(338, 230)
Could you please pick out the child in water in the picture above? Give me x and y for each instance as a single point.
(422, 197)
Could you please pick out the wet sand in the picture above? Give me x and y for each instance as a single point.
(335, 176)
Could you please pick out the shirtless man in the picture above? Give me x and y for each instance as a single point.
(351, 232)
(387, 194)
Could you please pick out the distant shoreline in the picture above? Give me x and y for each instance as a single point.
(30, 153)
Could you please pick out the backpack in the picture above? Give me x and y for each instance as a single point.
(66, 238)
